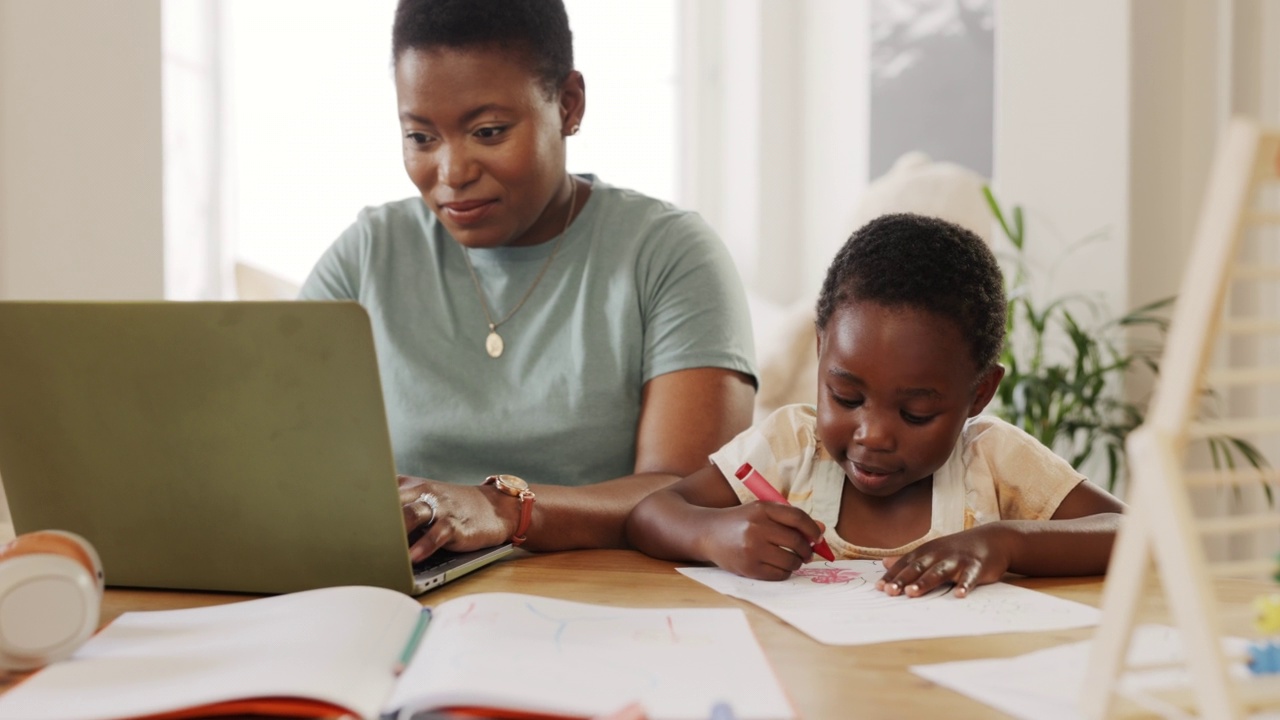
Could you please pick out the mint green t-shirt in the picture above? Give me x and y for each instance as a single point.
(637, 289)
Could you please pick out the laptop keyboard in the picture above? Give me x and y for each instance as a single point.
(438, 558)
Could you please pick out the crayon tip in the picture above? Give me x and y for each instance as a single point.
(822, 548)
(743, 471)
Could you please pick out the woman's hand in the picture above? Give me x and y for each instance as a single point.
(454, 517)
(977, 556)
(760, 540)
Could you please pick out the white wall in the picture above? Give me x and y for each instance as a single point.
(775, 124)
(80, 161)
(1063, 136)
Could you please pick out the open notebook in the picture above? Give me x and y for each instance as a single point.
(570, 660)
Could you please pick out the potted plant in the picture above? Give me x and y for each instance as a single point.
(1065, 363)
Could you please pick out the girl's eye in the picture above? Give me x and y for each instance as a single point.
(846, 402)
(917, 419)
(491, 132)
(417, 138)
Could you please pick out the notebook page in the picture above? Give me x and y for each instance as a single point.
(578, 659)
(336, 645)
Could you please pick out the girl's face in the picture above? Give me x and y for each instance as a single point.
(895, 386)
(484, 143)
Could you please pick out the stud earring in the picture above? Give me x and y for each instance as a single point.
(574, 130)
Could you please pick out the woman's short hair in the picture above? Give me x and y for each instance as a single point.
(537, 28)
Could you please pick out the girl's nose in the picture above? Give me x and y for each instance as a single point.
(873, 434)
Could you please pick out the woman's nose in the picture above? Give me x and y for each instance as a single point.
(453, 166)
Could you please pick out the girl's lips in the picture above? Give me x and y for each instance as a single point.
(866, 476)
(467, 213)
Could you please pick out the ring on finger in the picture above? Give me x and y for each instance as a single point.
(432, 502)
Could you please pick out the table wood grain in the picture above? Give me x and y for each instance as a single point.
(823, 681)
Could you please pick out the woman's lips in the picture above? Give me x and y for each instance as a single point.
(467, 213)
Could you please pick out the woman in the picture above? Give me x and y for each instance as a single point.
(552, 330)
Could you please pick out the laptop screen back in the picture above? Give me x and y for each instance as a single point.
(213, 446)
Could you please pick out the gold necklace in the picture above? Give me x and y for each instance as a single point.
(493, 342)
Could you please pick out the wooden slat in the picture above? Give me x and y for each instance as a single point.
(1251, 326)
(1238, 523)
(1255, 272)
(1239, 476)
(1243, 376)
(1262, 218)
(1264, 567)
(1233, 426)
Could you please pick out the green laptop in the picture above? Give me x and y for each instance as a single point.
(236, 446)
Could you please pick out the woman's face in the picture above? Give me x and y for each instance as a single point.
(484, 143)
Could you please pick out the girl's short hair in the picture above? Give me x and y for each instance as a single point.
(537, 28)
(925, 263)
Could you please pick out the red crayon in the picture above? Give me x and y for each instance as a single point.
(761, 488)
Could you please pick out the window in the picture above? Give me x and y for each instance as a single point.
(309, 126)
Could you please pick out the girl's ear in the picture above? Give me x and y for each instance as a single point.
(986, 390)
(573, 103)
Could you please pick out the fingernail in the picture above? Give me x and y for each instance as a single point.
(913, 588)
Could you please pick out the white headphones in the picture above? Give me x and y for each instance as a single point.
(50, 595)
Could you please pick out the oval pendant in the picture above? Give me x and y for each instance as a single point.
(493, 344)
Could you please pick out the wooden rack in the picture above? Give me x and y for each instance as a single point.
(1161, 531)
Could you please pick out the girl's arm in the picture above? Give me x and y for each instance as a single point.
(1076, 541)
(700, 519)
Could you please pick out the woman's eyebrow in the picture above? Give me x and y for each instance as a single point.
(466, 118)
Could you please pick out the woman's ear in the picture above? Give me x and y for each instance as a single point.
(987, 386)
(573, 103)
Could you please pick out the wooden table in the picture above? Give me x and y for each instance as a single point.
(823, 681)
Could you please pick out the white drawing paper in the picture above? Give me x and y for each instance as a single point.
(837, 603)
(1047, 684)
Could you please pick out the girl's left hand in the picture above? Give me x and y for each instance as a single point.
(977, 556)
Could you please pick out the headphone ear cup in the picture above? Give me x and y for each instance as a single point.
(51, 585)
(49, 606)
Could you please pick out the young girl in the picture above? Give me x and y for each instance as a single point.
(895, 460)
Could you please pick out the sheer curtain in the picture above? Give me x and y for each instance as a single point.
(281, 125)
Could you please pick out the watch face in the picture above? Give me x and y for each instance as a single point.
(511, 484)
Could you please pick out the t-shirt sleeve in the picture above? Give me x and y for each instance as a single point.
(694, 305)
(778, 448)
(336, 275)
(1030, 480)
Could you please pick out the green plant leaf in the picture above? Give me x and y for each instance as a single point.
(1067, 359)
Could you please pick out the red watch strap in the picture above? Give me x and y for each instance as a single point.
(526, 517)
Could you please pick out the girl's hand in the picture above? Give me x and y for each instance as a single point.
(977, 556)
(760, 540)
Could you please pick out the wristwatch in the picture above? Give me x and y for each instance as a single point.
(518, 488)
